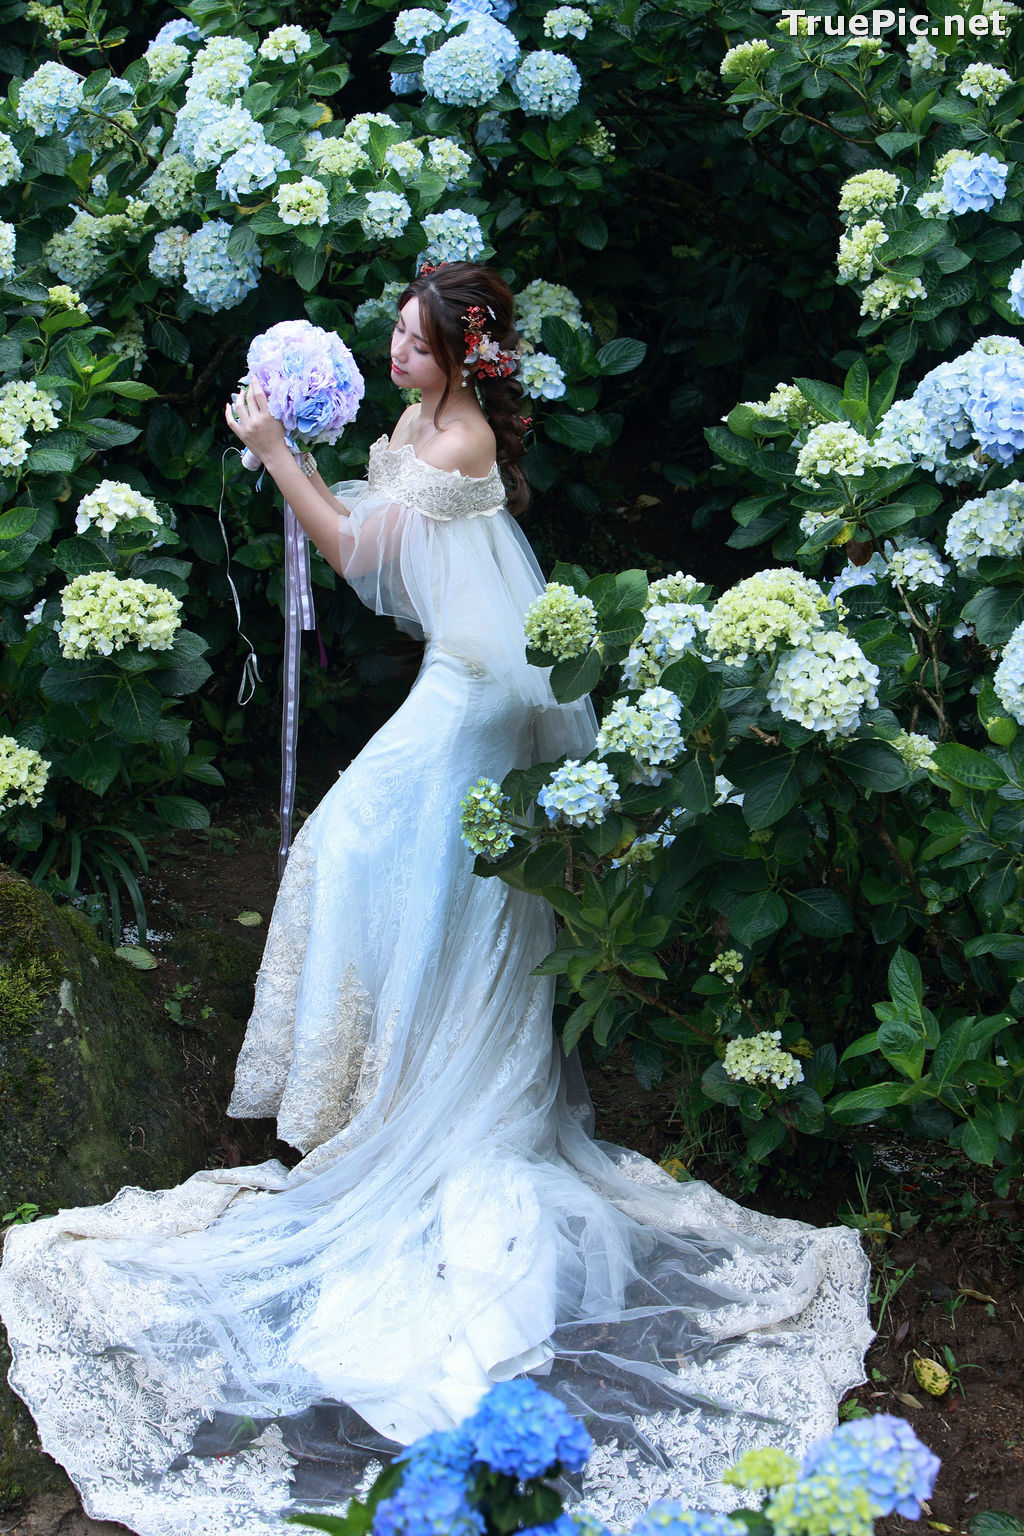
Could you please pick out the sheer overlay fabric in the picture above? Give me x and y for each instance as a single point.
(257, 1340)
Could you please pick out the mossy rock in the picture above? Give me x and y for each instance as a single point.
(91, 1077)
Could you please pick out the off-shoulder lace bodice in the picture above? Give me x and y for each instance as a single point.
(442, 494)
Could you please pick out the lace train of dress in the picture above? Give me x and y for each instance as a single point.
(202, 1359)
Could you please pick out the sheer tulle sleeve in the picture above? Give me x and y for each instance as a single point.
(438, 552)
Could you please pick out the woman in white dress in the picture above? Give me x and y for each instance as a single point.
(203, 1358)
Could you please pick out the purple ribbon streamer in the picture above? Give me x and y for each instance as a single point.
(299, 615)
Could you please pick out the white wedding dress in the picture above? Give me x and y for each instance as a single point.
(203, 1358)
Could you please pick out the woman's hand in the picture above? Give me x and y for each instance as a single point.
(248, 416)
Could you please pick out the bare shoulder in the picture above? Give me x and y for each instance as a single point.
(401, 432)
(466, 446)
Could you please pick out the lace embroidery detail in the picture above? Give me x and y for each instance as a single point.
(441, 494)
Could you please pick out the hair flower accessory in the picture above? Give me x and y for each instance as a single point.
(482, 351)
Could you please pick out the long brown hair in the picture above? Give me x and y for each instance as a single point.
(445, 296)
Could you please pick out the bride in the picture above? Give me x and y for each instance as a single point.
(204, 1358)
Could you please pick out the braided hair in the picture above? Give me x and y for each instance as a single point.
(446, 294)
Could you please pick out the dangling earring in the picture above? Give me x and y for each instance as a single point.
(465, 378)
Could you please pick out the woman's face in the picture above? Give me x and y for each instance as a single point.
(413, 365)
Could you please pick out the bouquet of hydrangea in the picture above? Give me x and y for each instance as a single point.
(311, 382)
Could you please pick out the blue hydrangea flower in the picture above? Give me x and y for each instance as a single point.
(462, 73)
(49, 99)
(174, 31)
(884, 1457)
(461, 10)
(565, 1525)
(213, 278)
(973, 184)
(453, 235)
(1009, 676)
(403, 85)
(500, 42)
(670, 1519)
(524, 1432)
(250, 169)
(430, 1501)
(1016, 287)
(547, 84)
(996, 405)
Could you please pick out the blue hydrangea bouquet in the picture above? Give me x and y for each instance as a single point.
(494, 1475)
(311, 381)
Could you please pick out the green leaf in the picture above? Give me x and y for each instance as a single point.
(873, 765)
(580, 433)
(621, 355)
(903, 1047)
(906, 984)
(765, 1137)
(592, 231)
(820, 913)
(545, 865)
(94, 765)
(995, 1523)
(697, 784)
(876, 1096)
(134, 710)
(773, 792)
(181, 811)
(573, 678)
(17, 521)
(979, 1140)
(995, 613)
(757, 917)
(965, 766)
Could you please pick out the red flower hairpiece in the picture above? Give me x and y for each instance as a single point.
(482, 351)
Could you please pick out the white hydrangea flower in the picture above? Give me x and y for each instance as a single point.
(358, 127)
(870, 192)
(541, 300)
(1016, 291)
(677, 588)
(463, 72)
(547, 84)
(104, 613)
(25, 404)
(303, 202)
(167, 258)
(599, 141)
(414, 26)
(729, 965)
(222, 68)
(483, 824)
(745, 60)
(833, 448)
(8, 244)
(164, 59)
(49, 99)
(764, 611)
(810, 523)
(886, 294)
(915, 749)
(60, 296)
(130, 341)
(386, 215)
(405, 158)
(917, 564)
(449, 160)
(10, 161)
(285, 44)
(648, 730)
(933, 204)
(112, 506)
(235, 129)
(825, 685)
(453, 235)
(567, 21)
(579, 794)
(923, 54)
(337, 157)
(984, 82)
(23, 774)
(560, 621)
(786, 403)
(671, 630)
(1008, 681)
(253, 168)
(858, 249)
(541, 376)
(988, 525)
(171, 186)
(760, 1060)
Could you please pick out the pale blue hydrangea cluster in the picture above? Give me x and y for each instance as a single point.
(224, 131)
(885, 294)
(974, 183)
(1008, 680)
(167, 258)
(8, 250)
(462, 73)
(1016, 291)
(541, 300)
(10, 161)
(561, 621)
(74, 253)
(222, 68)
(541, 376)
(49, 99)
(130, 341)
(450, 160)
(866, 575)
(383, 308)
(667, 1517)
(648, 730)
(503, 44)
(882, 1456)
(405, 159)
(767, 610)
(988, 525)
(547, 84)
(174, 31)
(916, 750)
(745, 60)
(453, 235)
(995, 404)
(306, 201)
(24, 407)
(170, 187)
(104, 613)
(760, 1060)
(251, 169)
(164, 59)
(870, 192)
(285, 44)
(482, 821)
(114, 505)
(567, 21)
(579, 794)
(834, 448)
(23, 774)
(413, 27)
(386, 214)
(917, 564)
(825, 685)
(984, 82)
(337, 156)
(213, 277)
(858, 251)
(671, 629)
